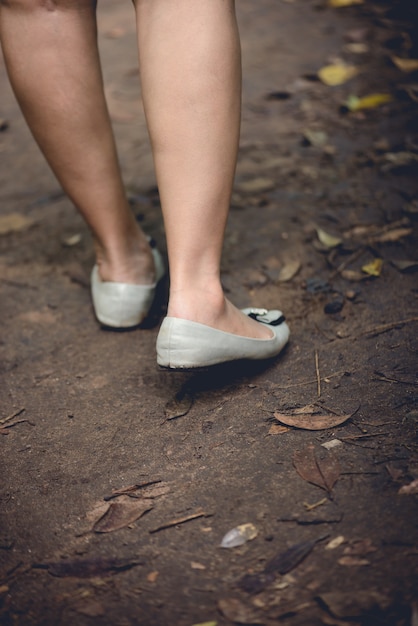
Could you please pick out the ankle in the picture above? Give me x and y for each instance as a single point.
(128, 261)
(205, 305)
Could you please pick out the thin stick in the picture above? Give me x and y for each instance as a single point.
(10, 417)
(308, 382)
(180, 520)
(377, 330)
(318, 375)
(344, 264)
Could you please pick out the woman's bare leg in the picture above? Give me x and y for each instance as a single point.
(191, 81)
(53, 63)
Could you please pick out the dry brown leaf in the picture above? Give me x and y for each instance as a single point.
(236, 611)
(360, 547)
(353, 276)
(310, 421)
(152, 576)
(352, 561)
(405, 65)
(13, 222)
(257, 185)
(393, 235)
(277, 429)
(317, 466)
(410, 489)
(121, 513)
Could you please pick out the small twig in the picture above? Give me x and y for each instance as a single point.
(318, 375)
(181, 520)
(383, 328)
(312, 507)
(352, 437)
(308, 382)
(18, 422)
(344, 264)
(12, 415)
(130, 489)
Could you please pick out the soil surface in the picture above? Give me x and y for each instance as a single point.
(118, 480)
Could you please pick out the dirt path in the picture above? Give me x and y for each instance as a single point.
(85, 413)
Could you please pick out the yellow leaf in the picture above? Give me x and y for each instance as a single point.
(328, 240)
(405, 65)
(206, 624)
(368, 102)
(343, 3)
(374, 268)
(337, 74)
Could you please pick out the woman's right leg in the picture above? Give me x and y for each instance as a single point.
(52, 58)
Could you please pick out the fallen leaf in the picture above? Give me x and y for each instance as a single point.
(310, 421)
(277, 429)
(352, 275)
(13, 222)
(196, 565)
(360, 547)
(73, 240)
(372, 101)
(92, 608)
(349, 605)
(406, 266)
(179, 406)
(405, 65)
(343, 3)
(352, 561)
(206, 624)
(374, 268)
(392, 235)
(289, 271)
(87, 568)
(236, 611)
(257, 185)
(334, 443)
(335, 543)
(316, 138)
(410, 489)
(121, 513)
(317, 466)
(357, 47)
(286, 561)
(152, 576)
(239, 535)
(330, 241)
(337, 74)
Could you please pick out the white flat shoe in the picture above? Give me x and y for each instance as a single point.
(121, 305)
(182, 344)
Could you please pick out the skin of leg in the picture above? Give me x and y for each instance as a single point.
(190, 70)
(51, 53)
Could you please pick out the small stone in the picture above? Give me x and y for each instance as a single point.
(334, 306)
(351, 294)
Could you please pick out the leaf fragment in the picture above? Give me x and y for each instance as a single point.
(410, 489)
(13, 222)
(372, 101)
(88, 568)
(239, 535)
(236, 611)
(337, 74)
(289, 271)
(330, 241)
(406, 266)
(121, 513)
(405, 65)
(337, 4)
(374, 268)
(317, 466)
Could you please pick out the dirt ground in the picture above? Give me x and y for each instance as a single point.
(118, 480)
